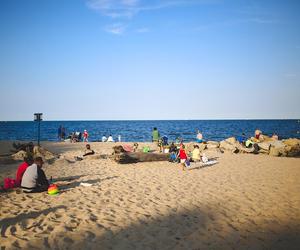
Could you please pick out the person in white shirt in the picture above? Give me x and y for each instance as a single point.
(110, 139)
(34, 179)
(104, 139)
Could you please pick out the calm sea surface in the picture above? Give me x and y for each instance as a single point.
(141, 130)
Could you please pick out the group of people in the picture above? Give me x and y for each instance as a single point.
(157, 138)
(110, 138)
(81, 136)
(31, 177)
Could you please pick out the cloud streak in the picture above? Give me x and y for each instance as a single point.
(116, 28)
(129, 8)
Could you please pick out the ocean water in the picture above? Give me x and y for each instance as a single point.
(141, 130)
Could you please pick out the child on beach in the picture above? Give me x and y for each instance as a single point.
(182, 155)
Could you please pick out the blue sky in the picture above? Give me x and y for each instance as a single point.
(137, 59)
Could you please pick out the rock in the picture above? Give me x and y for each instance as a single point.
(212, 144)
(264, 146)
(19, 156)
(231, 140)
(246, 150)
(292, 147)
(202, 146)
(225, 145)
(277, 151)
(42, 152)
(291, 142)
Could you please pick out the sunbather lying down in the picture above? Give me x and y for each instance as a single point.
(87, 151)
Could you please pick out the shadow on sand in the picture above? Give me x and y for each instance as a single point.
(7, 222)
(75, 184)
(189, 230)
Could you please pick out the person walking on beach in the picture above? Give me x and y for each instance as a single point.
(155, 135)
(85, 136)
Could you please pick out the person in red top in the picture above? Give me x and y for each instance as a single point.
(21, 169)
(182, 154)
(85, 136)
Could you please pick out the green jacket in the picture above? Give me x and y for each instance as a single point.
(155, 135)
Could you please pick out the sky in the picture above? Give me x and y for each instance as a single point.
(148, 60)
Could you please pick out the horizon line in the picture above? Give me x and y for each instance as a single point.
(108, 120)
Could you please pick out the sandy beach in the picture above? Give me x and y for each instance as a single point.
(244, 202)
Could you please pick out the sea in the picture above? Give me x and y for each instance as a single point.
(140, 131)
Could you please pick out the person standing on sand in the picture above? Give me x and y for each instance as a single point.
(155, 135)
(34, 179)
(85, 136)
(59, 131)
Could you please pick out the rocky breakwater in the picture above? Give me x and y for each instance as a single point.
(285, 148)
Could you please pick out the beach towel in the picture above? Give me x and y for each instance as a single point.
(196, 165)
(128, 148)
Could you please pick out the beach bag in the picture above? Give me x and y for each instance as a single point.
(9, 183)
(187, 163)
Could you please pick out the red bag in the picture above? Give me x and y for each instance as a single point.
(9, 183)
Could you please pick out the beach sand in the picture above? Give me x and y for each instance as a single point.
(243, 202)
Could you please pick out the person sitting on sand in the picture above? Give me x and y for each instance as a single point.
(87, 151)
(110, 139)
(34, 179)
(104, 138)
(196, 154)
(28, 160)
(258, 135)
(173, 148)
(199, 137)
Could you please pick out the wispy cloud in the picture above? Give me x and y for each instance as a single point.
(116, 28)
(129, 8)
